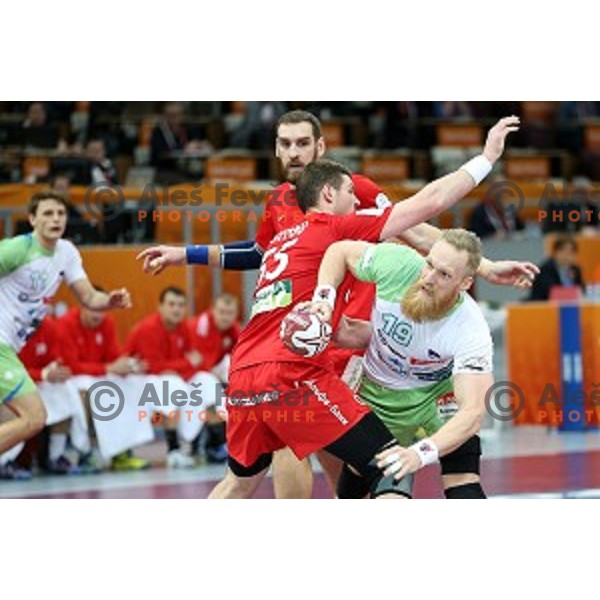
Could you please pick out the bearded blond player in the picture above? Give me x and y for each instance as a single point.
(428, 363)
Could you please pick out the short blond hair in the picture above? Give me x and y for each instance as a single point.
(468, 242)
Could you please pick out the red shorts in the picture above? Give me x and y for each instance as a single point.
(273, 405)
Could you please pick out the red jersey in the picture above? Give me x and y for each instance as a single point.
(288, 275)
(282, 211)
(210, 341)
(162, 349)
(42, 348)
(88, 350)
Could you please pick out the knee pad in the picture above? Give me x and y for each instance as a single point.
(351, 485)
(469, 491)
(465, 459)
(262, 462)
(358, 448)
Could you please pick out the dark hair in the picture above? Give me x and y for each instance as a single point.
(314, 177)
(563, 240)
(226, 298)
(300, 116)
(35, 200)
(171, 290)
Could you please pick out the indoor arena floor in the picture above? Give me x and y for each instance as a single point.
(523, 462)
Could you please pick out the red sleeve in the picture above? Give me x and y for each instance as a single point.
(362, 225)
(266, 231)
(369, 194)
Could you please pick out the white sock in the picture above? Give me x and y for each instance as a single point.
(58, 445)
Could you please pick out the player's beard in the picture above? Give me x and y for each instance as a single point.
(292, 177)
(419, 307)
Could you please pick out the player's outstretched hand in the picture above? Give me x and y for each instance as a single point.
(512, 272)
(398, 461)
(119, 299)
(158, 258)
(494, 145)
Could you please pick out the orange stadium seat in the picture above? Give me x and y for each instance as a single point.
(231, 168)
(527, 167)
(459, 135)
(386, 168)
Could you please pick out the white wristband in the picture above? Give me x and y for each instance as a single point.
(427, 451)
(478, 168)
(325, 293)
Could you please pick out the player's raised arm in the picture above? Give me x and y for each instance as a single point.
(443, 193)
(519, 274)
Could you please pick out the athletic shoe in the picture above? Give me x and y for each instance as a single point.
(62, 466)
(127, 462)
(12, 471)
(89, 464)
(178, 460)
(216, 454)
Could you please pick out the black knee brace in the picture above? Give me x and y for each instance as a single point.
(469, 491)
(465, 459)
(358, 448)
(262, 462)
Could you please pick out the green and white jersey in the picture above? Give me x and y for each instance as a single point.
(405, 355)
(29, 278)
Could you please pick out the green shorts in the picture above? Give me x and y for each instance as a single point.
(410, 414)
(14, 378)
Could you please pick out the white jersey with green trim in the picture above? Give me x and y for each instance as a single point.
(29, 278)
(403, 354)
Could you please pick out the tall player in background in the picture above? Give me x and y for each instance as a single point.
(32, 267)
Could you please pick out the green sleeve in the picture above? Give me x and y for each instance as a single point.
(13, 254)
(392, 267)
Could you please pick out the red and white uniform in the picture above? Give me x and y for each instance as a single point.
(212, 343)
(88, 350)
(162, 349)
(356, 298)
(264, 413)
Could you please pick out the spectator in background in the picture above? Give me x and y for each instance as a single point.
(214, 333)
(256, 129)
(559, 270)
(162, 340)
(399, 124)
(80, 230)
(171, 139)
(493, 217)
(36, 131)
(91, 350)
(570, 123)
(102, 169)
(452, 109)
